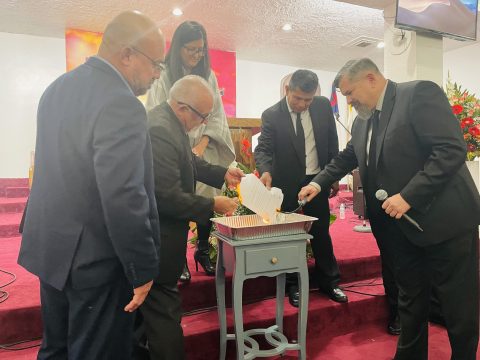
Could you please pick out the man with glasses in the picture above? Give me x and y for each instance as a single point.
(91, 227)
(158, 65)
(176, 170)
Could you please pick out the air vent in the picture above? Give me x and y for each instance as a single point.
(362, 42)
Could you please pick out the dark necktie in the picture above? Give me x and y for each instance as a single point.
(300, 134)
(372, 152)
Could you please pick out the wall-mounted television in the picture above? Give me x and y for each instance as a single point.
(456, 19)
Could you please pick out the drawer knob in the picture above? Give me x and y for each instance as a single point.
(274, 260)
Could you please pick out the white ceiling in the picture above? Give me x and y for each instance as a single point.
(252, 28)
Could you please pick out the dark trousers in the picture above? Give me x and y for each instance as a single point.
(162, 316)
(203, 234)
(326, 269)
(451, 267)
(384, 230)
(88, 323)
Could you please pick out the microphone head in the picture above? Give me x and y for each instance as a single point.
(381, 194)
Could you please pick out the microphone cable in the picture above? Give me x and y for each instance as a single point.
(4, 294)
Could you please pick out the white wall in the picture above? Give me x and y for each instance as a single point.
(34, 62)
(27, 66)
(258, 88)
(463, 67)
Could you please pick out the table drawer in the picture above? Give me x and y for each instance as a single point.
(271, 259)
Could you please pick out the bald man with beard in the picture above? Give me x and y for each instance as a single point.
(91, 226)
(176, 171)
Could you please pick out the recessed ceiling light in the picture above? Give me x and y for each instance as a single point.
(287, 27)
(381, 45)
(177, 12)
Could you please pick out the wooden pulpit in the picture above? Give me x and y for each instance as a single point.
(242, 130)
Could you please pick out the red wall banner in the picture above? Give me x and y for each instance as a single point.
(82, 44)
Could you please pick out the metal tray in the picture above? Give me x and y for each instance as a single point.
(249, 227)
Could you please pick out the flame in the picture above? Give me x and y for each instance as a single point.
(265, 219)
(238, 192)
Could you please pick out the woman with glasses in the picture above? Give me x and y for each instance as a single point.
(188, 54)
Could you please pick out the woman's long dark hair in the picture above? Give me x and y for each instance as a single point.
(186, 32)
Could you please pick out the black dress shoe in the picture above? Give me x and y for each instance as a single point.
(336, 294)
(186, 276)
(394, 327)
(203, 257)
(293, 296)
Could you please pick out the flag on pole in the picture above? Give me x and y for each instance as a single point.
(334, 101)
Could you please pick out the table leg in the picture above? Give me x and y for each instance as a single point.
(280, 301)
(303, 310)
(237, 295)
(220, 288)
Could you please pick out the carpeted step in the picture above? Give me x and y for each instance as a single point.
(12, 183)
(9, 223)
(324, 317)
(368, 341)
(12, 205)
(16, 192)
(20, 312)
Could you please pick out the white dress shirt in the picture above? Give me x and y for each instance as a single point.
(311, 157)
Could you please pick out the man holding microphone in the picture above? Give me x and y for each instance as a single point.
(407, 142)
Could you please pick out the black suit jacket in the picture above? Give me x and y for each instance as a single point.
(421, 155)
(176, 171)
(91, 213)
(277, 151)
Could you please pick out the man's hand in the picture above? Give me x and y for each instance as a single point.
(139, 295)
(199, 149)
(334, 189)
(266, 180)
(225, 205)
(233, 176)
(308, 192)
(396, 206)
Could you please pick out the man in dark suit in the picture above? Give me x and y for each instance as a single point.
(91, 226)
(176, 172)
(298, 139)
(407, 142)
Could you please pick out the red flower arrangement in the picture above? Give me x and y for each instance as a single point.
(246, 147)
(466, 108)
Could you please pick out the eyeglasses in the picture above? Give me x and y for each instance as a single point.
(204, 117)
(158, 65)
(194, 51)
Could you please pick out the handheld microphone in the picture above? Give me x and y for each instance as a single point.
(382, 195)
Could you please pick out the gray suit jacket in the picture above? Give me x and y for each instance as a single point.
(421, 155)
(176, 170)
(91, 214)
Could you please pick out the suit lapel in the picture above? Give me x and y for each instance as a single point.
(317, 133)
(362, 130)
(286, 118)
(387, 107)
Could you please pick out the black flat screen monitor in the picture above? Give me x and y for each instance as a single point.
(456, 19)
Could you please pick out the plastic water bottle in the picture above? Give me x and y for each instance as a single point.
(342, 211)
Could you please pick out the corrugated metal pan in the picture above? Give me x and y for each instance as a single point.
(249, 227)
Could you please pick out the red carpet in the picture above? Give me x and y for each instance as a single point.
(335, 331)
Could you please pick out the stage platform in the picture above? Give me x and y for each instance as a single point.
(355, 330)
